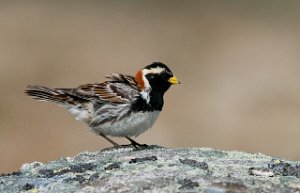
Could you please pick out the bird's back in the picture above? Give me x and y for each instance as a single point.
(86, 100)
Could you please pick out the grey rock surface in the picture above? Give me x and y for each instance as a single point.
(157, 169)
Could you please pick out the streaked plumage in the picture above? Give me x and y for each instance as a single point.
(123, 106)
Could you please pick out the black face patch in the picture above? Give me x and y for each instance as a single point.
(159, 82)
(158, 78)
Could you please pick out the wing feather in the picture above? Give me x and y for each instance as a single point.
(119, 89)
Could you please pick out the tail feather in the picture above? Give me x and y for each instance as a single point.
(42, 93)
(77, 106)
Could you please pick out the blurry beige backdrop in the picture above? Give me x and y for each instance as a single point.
(239, 62)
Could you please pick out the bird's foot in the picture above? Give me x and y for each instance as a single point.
(138, 145)
(135, 144)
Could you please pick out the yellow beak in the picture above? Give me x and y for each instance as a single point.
(173, 80)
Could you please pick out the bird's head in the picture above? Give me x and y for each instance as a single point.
(156, 77)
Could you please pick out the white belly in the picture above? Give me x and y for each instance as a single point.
(133, 125)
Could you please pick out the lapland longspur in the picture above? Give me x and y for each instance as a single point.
(123, 106)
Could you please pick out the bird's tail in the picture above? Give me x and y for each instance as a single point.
(42, 93)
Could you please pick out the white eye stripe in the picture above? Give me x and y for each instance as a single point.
(147, 86)
(156, 70)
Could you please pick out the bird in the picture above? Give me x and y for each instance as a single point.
(122, 106)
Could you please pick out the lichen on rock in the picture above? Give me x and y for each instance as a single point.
(157, 169)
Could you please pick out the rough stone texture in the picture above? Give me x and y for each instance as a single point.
(157, 169)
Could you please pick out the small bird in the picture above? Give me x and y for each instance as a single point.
(123, 106)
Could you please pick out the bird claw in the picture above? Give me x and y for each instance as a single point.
(138, 145)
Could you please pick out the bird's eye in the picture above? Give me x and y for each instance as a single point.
(151, 76)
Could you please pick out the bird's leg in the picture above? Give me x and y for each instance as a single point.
(136, 144)
(111, 141)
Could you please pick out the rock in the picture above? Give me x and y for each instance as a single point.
(157, 169)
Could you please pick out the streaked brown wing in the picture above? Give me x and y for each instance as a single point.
(123, 78)
(110, 92)
(121, 89)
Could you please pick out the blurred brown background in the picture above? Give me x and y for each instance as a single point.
(239, 62)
